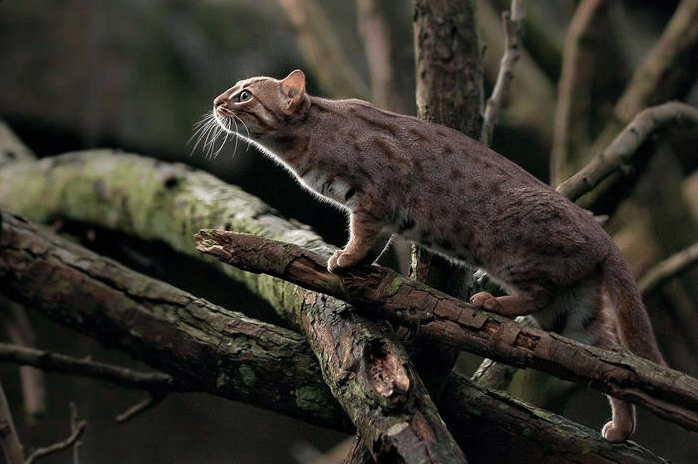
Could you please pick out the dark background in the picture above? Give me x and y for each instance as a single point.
(137, 74)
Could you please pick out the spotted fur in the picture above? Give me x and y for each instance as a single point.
(397, 174)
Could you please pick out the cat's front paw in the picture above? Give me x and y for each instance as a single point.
(486, 301)
(616, 434)
(341, 260)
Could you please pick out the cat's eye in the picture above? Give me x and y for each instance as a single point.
(242, 96)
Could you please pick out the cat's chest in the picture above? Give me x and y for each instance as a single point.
(329, 184)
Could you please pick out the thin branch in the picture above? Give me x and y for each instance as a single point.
(513, 38)
(669, 394)
(531, 98)
(55, 362)
(11, 446)
(69, 442)
(616, 159)
(74, 425)
(670, 267)
(667, 72)
(137, 409)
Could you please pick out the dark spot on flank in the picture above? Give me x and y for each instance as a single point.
(475, 185)
(456, 174)
(350, 193)
(495, 189)
(448, 150)
(418, 136)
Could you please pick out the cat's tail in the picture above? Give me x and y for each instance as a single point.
(634, 326)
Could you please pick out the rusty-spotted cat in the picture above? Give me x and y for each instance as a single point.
(396, 174)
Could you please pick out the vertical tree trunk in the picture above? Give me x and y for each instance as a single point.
(449, 91)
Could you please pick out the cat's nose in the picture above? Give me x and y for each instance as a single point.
(220, 100)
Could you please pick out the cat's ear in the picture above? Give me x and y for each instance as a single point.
(293, 88)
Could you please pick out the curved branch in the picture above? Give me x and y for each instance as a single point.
(668, 268)
(617, 157)
(667, 72)
(669, 394)
(69, 442)
(220, 352)
(513, 38)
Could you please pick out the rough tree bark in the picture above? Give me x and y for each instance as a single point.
(670, 394)
(201, 347)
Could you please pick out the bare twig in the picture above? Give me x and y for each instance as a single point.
(54, 362)
(667, 72)
(669, 268)
(145, 404)
(11, 446)
(616, 158)
(669, 394)
(513, 35)
(78, 428)
(74, 425)
(531, 98)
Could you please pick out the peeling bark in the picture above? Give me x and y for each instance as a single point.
(669, 394)
(206, 348)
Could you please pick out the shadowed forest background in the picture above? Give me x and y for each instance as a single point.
(136, 75)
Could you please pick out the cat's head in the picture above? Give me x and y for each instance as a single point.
(259, 106)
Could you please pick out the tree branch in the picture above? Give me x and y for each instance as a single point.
(615, 160)
(513, 38)
(668, 72)
(183, 201)
(55, 362)
(199, 344)
(11, 445)
(229, 355)
(669, 268)
(669, 394)
(77, 429)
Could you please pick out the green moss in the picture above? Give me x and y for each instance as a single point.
(308, 397)
(247, 375)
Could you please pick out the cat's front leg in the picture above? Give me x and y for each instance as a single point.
(368, 237)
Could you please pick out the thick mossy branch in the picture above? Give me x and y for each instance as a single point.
(669, 394)
(155, 200)
(203, 347)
